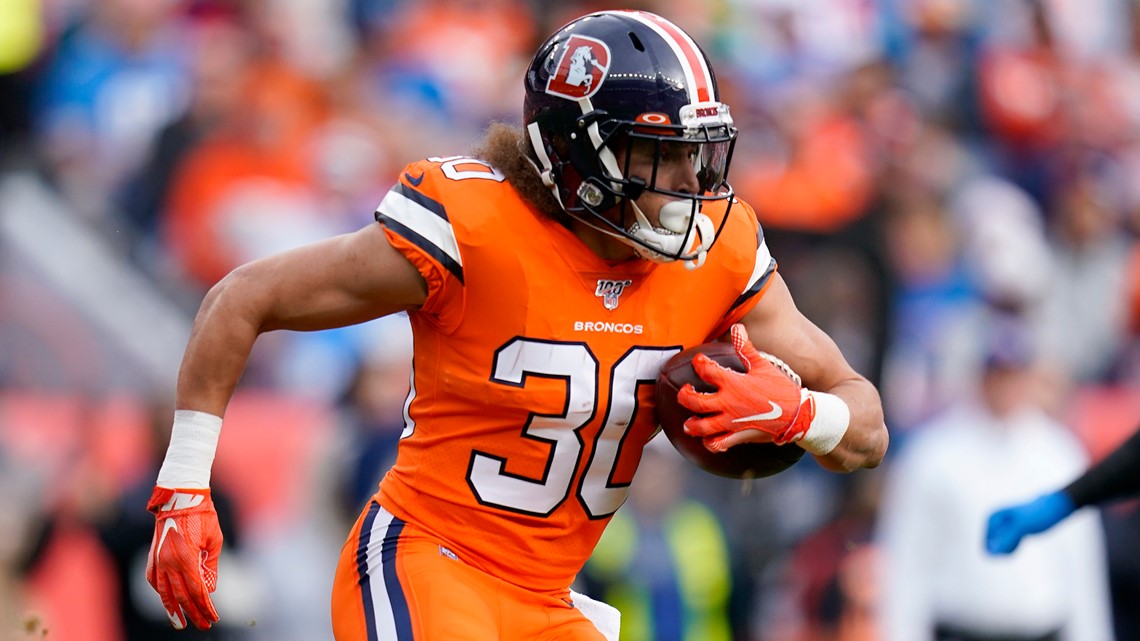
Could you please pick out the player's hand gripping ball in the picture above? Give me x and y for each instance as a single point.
(748, 460)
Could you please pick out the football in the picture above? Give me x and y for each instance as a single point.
(750, 460)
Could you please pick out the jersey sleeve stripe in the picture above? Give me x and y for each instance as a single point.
(430, 248)
(423, 222)
(422, 200)
(762, 272)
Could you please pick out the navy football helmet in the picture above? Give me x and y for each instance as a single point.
(612, 80)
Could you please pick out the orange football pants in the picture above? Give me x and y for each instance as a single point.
(394, 582)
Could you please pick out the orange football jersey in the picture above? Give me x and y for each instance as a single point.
(534, 367)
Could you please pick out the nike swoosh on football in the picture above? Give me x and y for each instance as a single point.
(415, 181)
(774, 413)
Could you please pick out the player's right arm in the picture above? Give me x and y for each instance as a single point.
(341, 281)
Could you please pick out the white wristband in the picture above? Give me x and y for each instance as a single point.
(193, 441)
(832, 416)
(605, 617)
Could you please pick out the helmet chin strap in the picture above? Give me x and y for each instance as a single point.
(545, 172)
(676, 235)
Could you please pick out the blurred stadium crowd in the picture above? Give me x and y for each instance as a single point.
(920, 167)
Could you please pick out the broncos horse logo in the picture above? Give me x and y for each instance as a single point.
(579, 75)
(581, 69)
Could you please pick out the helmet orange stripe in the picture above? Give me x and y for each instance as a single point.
(691, 59)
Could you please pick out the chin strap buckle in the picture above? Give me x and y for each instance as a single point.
(591, 194)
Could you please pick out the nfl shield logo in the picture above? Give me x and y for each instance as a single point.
(610, 291)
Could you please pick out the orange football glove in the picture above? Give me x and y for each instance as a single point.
(767, 397)
(183, 562)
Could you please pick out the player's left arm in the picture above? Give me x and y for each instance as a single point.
(836, 414)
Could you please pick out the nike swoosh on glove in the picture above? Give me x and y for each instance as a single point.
(183, 562)
(767, 397)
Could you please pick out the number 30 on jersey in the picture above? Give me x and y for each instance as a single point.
(577, 366)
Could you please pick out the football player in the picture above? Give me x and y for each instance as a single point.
(547, 277)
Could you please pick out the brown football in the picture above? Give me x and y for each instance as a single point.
(750, 460)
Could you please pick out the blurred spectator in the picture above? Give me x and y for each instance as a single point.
(247, 191)
(934, 311)
(1086, 310)
(1123, 70)
(1004, 247)
(938, 582)
(782, 44)
(223, 51)
(496, 38)
(418, 80)
(1045, 84)
(116, 76)
(832, 573)
(1081, 29)
(844, 291)
(1021, 83)
(982, 245)
(933, 43)
(766, 519)
(819, 178)
(665, 561)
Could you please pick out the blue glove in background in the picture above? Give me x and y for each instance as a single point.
(1007, 526)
